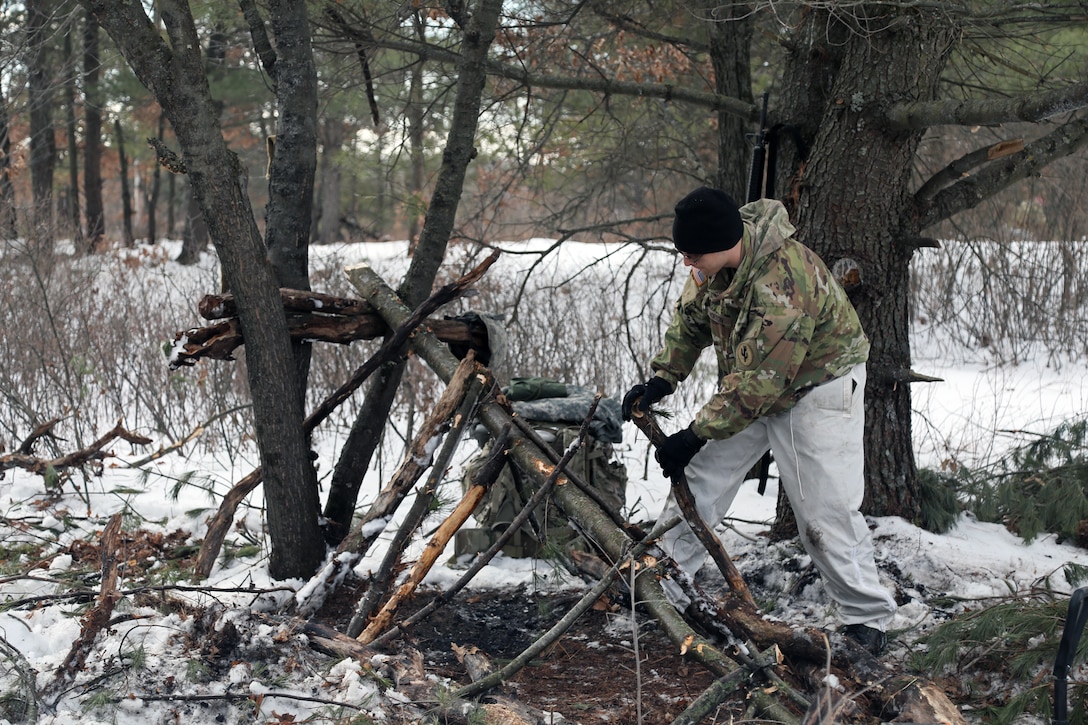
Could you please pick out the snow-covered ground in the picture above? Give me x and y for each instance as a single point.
(148, 667)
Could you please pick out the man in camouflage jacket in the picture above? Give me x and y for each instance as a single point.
(791, 378)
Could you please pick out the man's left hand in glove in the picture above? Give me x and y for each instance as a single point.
(675, 452)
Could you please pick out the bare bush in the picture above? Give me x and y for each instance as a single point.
(84, 336)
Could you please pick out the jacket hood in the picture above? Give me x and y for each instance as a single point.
(769, 223)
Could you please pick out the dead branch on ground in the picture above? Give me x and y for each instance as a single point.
(97, 617)
(48, 466)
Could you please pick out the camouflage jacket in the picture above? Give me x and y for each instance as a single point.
(780, 324)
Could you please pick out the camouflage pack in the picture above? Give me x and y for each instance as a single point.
(556, 412)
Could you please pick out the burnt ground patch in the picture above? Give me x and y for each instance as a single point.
(589, 675)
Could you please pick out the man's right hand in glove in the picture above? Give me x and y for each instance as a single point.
(642, 396)
(675, 452)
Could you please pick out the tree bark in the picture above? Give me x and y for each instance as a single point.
(176, 76)
(730, 54)
(839, 81)
(92, 134)
(431, 250)
(43, 142)
(292, 167)
(8, 220)
(127, 237)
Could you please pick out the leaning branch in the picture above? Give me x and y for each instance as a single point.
(98, 616)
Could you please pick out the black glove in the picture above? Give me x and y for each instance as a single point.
(675, 452)
(649, 392)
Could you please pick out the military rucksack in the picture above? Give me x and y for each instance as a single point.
(556, 411)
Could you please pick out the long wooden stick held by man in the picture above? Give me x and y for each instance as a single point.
(686, 501)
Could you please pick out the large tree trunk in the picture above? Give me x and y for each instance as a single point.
(431, 250)
(293, 165)
(176, 76)
(849, 198)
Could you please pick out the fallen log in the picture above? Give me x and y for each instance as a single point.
(221, 306)
(219, 341)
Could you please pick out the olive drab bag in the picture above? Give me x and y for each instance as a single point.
(556, 411)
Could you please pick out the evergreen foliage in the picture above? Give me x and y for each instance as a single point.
(1004, 656)
(1036, 488)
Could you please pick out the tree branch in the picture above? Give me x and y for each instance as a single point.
(1000, 174)
(259, 34)
(1031, 107)
(595, 84)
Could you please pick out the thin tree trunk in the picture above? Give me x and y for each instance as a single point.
(92, 134)
(152, 199)
(414, 114)
(292, 168)
(129, 238)
(332, 141)
(366, 431)
(171, 205)
(72, 207)
(43, 143)
(8, 217)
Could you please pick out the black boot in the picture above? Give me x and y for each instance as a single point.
(870, 638)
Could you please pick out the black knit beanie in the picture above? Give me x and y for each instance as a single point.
(707, 220)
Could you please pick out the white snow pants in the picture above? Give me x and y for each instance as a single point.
(818, 446)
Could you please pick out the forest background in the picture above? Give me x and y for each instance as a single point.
(901, 133)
